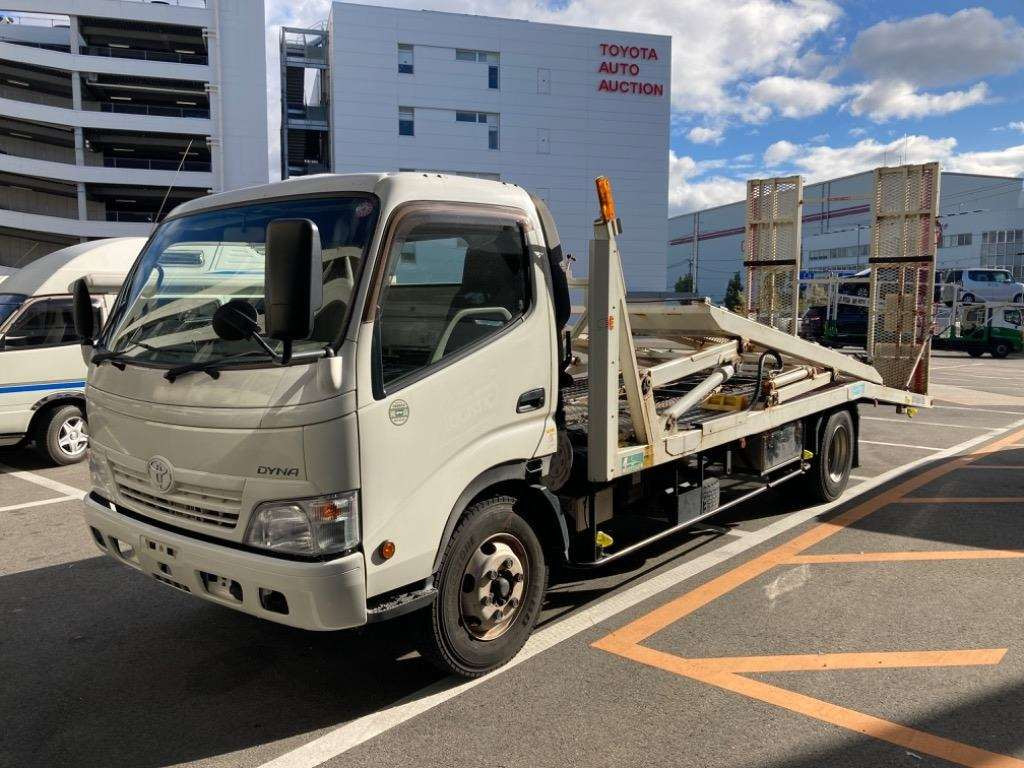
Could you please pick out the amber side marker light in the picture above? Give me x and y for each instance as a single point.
(386, 549)
(604, 197)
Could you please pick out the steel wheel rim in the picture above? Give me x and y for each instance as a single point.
(73, 436)
(493, 583)
(838, 454)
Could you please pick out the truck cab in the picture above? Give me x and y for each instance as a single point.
(311, 492)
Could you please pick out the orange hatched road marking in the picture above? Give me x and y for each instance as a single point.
(727, 673)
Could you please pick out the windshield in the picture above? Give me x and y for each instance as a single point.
(196, 263)
(9, 303)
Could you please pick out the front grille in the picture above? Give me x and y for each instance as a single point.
(216, 507)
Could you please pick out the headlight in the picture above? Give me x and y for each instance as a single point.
(319, 526)
(99, 471)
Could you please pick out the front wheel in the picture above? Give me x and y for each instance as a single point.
(489, 590)
(1000, 349)
(830, 469)
(1019, 298)
(63, 435)
(967, 298)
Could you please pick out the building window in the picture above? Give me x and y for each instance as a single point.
(853, 252)
(489, 119)
(406, 121)
(405, 60)
(491, 59)
(956, 241)
(492, 132)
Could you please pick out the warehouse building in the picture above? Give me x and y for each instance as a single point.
(545, 106)
(982, 219)
(114, 111)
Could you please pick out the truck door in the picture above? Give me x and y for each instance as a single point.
(462, 371)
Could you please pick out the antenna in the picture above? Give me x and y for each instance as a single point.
(184, 156)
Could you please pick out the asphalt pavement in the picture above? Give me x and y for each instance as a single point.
(878, 631)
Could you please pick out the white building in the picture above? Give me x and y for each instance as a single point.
(101, 100)
(982, 219)
(545, 106)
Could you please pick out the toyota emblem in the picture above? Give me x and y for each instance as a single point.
(160, 473)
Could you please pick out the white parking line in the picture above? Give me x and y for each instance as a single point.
(362, 729)
(915, 447)
(45, 482)
(40, 503)
(929, 423)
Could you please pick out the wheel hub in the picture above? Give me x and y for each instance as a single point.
(493, 584)
(73, 436)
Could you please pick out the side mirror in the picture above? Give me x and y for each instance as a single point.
(85, 323)
(294, 288)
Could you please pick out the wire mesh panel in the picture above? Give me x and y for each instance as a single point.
(772, 251)
(903, 242)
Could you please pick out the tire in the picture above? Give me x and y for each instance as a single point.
(63, 435)
(862, 291)
(830, 469)
(1019, 298)
(1000, 349)
(967, 298)
(975, 352)
(461, 638)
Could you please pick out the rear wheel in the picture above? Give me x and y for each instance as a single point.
(489, 590)
(975, 352)
(63, 435)
(1000, 349)
(1019, 298)
(830, 468)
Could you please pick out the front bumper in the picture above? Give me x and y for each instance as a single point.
(319, 595)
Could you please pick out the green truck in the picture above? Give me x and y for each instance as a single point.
(982, 328)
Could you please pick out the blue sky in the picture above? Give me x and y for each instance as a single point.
(817, 87)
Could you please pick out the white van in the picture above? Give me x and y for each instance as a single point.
(42, 374)
(967, 286)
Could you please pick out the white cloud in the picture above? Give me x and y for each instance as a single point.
(883, 100)
(780, 152)
(998, 162)
(858, 131)
(1016, 125)
(703, 135)
(936, 50)
(688, 193)
(795, 96)
(823, 162)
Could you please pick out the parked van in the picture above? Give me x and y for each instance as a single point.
(42, 374)
(968, 286)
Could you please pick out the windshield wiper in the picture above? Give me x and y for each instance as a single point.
(119, 359)
(210, 367)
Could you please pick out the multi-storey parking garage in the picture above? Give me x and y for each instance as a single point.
(113, 112)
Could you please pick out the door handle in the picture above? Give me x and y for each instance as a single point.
(530, 400)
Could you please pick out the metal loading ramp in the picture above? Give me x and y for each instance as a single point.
(903, 241)
(771, 251)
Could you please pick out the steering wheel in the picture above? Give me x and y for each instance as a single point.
(461, 315)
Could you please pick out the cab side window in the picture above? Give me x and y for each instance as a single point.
(45, 323)
(452, 282)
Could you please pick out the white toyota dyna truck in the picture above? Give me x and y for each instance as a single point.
(370, 402)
